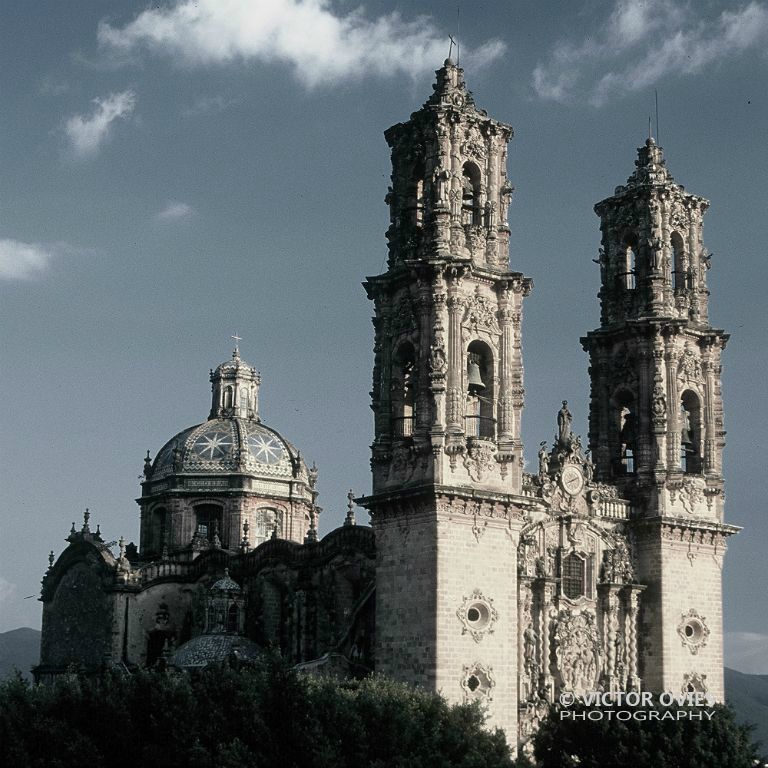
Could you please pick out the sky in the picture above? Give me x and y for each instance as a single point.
(173, 174)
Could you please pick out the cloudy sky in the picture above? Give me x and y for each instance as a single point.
(175, 173)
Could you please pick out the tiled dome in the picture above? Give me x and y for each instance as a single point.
(227, 445)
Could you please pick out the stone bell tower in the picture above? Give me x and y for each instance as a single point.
(656, 416)
(447, 398)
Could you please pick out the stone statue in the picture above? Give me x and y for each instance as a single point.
(543, 461)
(564, 420)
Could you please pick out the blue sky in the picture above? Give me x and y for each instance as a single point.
(176, 173)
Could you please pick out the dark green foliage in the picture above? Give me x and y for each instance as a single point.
(263, 717)
(669, 743)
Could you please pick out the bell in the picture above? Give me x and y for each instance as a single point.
(474, 380)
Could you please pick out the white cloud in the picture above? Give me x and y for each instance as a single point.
(323, 46)
(746, 652)
(643, 41)
(22, 261)
(174, 211)
(7, 589)
(87, 133)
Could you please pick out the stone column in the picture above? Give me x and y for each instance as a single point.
(454, 405)
(506, 356)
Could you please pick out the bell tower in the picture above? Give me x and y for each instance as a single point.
(656, 416)
(447, 399)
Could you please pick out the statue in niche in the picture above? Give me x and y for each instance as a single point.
(529, 652)
(564, 420)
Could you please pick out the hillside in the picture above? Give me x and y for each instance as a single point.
(19, 649)
(748, 695)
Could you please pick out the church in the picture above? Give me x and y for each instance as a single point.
(602, 569)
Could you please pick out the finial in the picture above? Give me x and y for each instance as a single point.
(236, 351)
(98, 531)
(86, 518)
(147, 465)
(72, 530)
(313, 472)
(311, 536)
(51, 558)
(245, 545)
(350, 520)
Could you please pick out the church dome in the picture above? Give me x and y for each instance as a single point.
(234, 439)
(205, 650)
(228, 445)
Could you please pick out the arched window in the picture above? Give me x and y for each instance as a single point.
(404, 390)
(679, 281)
(244, 400)
(577, 576)
(208, 518)
(479, 419)
(228, 398)
(266, 521)
(232, 619)
(158, 529)
(690, 433)
(470, 195)
(629, 265)
(627, 429)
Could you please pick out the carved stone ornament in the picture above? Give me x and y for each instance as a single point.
(690, 493)
(617, 564)
(578, 651)
(477, 682)
(474, 143)
(403, 318)
(480, 314)
(477, 616)
(479, 459)
(694, 682)
(689, 367)
(693, 631)
(403, 463)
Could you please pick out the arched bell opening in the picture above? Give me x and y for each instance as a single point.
(626, 429)
(403, 390)
(415, 196)
(690, 433)
(680, 270)
(629, 265)
(479, 419)
(470, 195)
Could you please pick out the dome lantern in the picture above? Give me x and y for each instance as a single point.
(235, 389)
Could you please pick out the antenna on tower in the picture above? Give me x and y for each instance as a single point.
(450, 47)
(656, 97)
(650, 135)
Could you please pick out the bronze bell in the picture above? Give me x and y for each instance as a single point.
(474, 380)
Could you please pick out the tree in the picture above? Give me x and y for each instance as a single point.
(642, 741)
(267, 716)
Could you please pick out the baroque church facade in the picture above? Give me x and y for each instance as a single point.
(601, 570)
